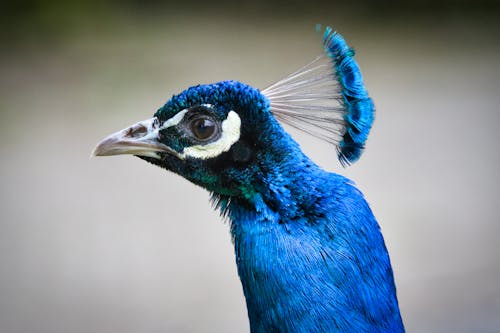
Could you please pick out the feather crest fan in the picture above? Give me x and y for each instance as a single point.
(327, 99)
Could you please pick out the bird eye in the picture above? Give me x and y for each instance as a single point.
(203, 128)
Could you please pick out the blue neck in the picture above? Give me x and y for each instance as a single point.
(311, 257)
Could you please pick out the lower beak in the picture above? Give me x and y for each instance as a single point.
(140, 139)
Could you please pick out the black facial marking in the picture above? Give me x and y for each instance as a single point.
(241, 152)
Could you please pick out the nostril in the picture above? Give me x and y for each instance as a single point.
(136, 131)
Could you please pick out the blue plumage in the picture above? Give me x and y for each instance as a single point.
(315, 260)
(310, 254)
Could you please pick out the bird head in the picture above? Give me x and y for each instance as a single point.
(220, 136)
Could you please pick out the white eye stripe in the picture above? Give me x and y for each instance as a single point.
(231, 131)
(175, 120)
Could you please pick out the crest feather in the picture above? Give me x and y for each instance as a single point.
(327, 99)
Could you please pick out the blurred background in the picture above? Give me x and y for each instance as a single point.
(117, 245)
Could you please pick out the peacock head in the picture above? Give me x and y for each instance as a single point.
(226, 138)
(218, 136)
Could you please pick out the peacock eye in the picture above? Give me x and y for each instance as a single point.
(203, 128)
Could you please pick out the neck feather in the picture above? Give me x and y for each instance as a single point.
(311, 257)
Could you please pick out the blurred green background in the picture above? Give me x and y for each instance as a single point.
(116, 245)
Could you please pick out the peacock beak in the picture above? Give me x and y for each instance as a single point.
(140, 139)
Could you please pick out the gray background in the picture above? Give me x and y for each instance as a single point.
(117, 245)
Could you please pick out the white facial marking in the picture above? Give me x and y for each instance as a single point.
(230, 134)
(174, 120)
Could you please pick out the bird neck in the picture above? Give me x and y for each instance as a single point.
(290, 189)
(305, 264)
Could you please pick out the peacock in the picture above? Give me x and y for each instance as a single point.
(309, 252)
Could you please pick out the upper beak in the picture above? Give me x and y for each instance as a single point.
(139, 139)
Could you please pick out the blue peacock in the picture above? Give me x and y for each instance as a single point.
(309, 252)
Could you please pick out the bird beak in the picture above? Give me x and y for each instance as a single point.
(140, 139)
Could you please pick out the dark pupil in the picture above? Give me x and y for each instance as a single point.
(203, 128)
